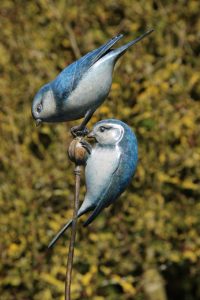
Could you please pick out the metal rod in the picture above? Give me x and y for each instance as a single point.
(77, 172)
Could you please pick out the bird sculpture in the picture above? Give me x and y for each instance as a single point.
(109, 168)
(81, 87)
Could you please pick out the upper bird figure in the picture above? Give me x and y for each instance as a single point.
(81, 87)
(109, 168)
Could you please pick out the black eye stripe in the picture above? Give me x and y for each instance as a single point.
(103, 128)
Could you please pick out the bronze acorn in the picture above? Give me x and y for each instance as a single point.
(77, 152)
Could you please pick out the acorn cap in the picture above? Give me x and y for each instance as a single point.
(76, 152)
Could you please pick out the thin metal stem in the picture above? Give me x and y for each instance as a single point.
(77, 172)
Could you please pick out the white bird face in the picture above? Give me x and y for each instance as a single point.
(107, 133)
(43, 105)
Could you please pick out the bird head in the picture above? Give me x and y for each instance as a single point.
(107, 132)
(43, 106)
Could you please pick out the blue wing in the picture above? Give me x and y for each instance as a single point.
(69, 78)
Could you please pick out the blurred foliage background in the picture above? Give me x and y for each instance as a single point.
(147, 246)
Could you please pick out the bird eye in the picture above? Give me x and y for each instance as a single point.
(102, 129)
(39, 108)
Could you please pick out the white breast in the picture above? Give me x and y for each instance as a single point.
(99, 170)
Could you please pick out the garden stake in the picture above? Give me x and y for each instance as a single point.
(77, 154)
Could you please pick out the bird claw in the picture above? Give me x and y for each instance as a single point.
(87, 146)
(79, 131)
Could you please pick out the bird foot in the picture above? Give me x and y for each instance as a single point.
(79, 131)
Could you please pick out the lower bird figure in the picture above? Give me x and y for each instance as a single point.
(109, 168)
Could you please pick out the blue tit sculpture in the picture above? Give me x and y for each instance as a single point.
(109, 168)
(81, 87)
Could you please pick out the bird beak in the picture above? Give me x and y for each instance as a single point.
(38, 122)
(91, 134)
